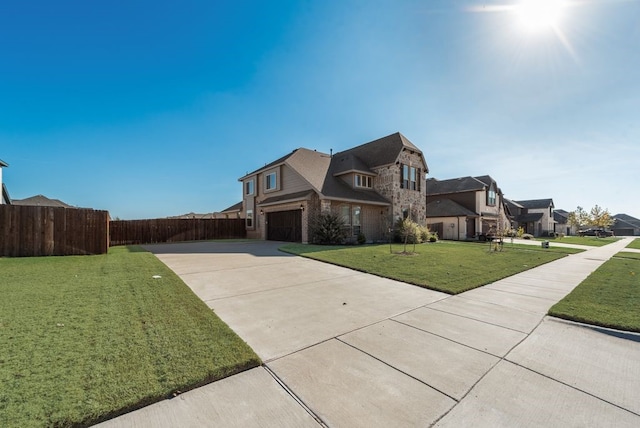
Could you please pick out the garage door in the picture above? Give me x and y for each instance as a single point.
(285, 226)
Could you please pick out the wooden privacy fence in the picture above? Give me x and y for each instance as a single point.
(52, 231)
(132, 232)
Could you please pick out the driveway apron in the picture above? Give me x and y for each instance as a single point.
(344, 348)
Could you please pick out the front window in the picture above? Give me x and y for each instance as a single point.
(355, 220)
(249, 220)
(363, 181)
(270, 181)
(248, 187)
(410, 178)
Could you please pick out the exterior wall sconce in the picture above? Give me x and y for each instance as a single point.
(301, 207)
(261, 212)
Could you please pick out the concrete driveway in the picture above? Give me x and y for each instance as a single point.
(344, 348)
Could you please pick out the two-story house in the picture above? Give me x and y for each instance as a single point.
(465, 207)
(535, 216)
(4, 193)
(369, 186)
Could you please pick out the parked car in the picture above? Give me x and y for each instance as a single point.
(600, 233)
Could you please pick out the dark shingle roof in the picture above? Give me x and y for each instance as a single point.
(383, 151)
(41, 201)
(454, 185)
(297, 196)
(627, 218)
(560, 216)
(537, 203)
(233, 208)
(448, 208)
(525, 218)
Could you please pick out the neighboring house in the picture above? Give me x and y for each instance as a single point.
(41, 201)
(369, 186)
(535, 216)
(561, 218)
(4, 193)
(625, 225)
(193, 215)
(465, 207)
(234, 211)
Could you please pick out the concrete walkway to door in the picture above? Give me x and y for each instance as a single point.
(344, 348)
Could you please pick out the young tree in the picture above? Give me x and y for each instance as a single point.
(578, 218)
(600, 218)
(407, 228)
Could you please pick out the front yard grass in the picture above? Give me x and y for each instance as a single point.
(86, 338)
(635, 244)
(609, 297)
(581, 240)
(448, 266)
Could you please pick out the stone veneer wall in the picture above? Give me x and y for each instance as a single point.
(388, 185)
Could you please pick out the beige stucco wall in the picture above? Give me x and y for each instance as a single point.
(457, 232)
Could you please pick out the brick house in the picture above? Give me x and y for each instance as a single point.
(535, 216)
(369, 186)
(465, 207)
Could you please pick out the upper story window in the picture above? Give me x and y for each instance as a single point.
(491, 197)
(271, 181)
(249, 187)
(410, 177)
(363, 181)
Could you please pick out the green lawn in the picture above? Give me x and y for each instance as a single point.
(452, 267)
(635, 244)
(609, 297)
(581, 240)
(88, 337)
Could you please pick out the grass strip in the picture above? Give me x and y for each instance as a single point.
(635, 244)
(591, 241)
(609, 297)
(448, 266)
(86, 338)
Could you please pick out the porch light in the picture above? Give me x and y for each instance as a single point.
(301, 207)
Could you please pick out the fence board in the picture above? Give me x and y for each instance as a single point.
(47, 231)
(135, 232)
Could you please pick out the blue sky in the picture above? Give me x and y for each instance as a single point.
(154, 108)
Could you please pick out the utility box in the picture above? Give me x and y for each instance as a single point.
(545, 244)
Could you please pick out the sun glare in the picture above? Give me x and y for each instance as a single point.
(537, 15)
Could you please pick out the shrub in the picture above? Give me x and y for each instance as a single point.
(433, 237)
(327, 229)
(423, 234)
(520, 232)
(361, 238)
(526, 236)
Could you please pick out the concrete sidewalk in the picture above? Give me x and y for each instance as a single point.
(343, 348)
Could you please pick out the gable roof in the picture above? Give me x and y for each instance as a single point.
(537, 203)
(448, 208)
(531, 217)
(41, 201)
(454, 185)
(627, 218)
(383, 151)
(3, 164)
(233, 208)
(560, 216)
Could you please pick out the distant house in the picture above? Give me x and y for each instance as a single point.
(535, 216)
(465, 207)
(368, 187)
(625, 225)
(193, 215)
(561, 219)
(4, 196)
(41, 201)
(234, 211)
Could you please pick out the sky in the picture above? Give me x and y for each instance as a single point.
(155, 108)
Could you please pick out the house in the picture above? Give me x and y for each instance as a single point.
(4, 196)
(234, 211)
(561, 225)
(369, 186)
(465, 207)
(41, 201)
(625, 225)
(535, 216)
